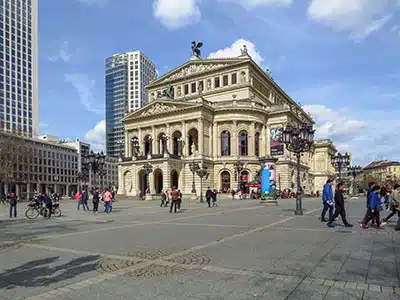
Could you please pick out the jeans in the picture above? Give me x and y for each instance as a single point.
(13, 208)
(209, 202)
(95, 206)
(174, 205)
(371, 215)
(78, 204)
(107, 206)
(325, 209)
(85, 205)
(392, 214)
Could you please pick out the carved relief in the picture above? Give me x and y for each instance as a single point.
(194, 69)
(158, 108)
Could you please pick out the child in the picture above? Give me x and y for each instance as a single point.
(374, 208)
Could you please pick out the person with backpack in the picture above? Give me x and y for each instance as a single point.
(13, 204)
(374, 208)
(394, 205)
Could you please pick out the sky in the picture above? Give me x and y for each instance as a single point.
(338, 58)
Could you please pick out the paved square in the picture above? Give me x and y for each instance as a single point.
(240, 250)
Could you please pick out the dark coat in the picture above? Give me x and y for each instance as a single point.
(339, 199)
(209, 194)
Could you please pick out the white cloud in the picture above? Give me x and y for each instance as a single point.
(85, 89)
(358, 17)
(63, 53)
(235, 50)
(97, 136)
(256, 3)
(176, 13)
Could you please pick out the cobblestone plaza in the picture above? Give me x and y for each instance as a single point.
(240, 250)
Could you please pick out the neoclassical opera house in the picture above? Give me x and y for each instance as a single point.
(223, 116)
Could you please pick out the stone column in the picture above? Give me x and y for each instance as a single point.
(28, 191)
(185, 150)
(170, 140)
(6, 188)
(67, 190)
(234, 139)
(251, 149)
(154, 139)
(141, 142)
(263, 143)
(127, 149)
(201, 137)
(215, 140)
(268, 139)
(17, 190)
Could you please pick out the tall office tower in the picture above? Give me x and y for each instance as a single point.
(19, 66)
(126, 74)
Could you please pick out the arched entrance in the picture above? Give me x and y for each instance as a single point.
(174, 179)
(158, 181)
(244, 179)
(142, 183)
(128, 181)
(225, 182)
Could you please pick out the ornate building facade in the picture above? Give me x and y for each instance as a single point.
(226, 115)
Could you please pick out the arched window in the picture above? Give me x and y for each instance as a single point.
(147, 145)
(257, 144)
(243, 146)
(225, 143)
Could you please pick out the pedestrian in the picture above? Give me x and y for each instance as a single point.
(174, 199)
(85, 200)
(327, 200)
(233, 194)
(394, 204)
(374, 208)
(179, 202)
(13, 204)
(163, 199)
(107, 197)
(209, 195)
(371, 185)
(214, 198)
(78, 197)
(339, 207)
(96, 200)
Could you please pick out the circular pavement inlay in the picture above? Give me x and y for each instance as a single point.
(192, 258)
(156, 271)
(152, 255)
(108, 265)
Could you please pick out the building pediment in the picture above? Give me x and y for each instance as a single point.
(195, 67)
(160, 107)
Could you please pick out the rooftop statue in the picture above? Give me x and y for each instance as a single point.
(196, 48)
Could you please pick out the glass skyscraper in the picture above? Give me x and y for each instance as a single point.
(18, 66)
(126, 75)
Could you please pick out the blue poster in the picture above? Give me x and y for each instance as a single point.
(265, 180)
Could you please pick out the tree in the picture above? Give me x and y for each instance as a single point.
(15, 156)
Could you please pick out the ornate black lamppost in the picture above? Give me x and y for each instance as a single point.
(81, 177)
(194, 167)
(238, 169)
(135, 146)
(147, 171)
(95, 162)
(102, 174)
(354, 171)
(340, 162)
(201, 172)
(298, 140)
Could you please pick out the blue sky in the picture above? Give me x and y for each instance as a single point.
(338, 58)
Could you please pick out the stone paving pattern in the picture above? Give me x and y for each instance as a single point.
(240, 250)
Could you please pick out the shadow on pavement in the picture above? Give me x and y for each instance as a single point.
(41, 273)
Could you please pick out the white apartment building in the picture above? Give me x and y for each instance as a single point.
(126, 75)
(19, 66)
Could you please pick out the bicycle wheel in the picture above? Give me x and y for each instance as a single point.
(31, 213)
(57, 212)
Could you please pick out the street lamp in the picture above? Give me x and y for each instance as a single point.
(340, 162)
(354, 171)
(194, 166)
(202, 172)
(298, 140)
(238, 169)
(102, 173)
(147, 171)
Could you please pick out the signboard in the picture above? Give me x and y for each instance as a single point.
(277, 145)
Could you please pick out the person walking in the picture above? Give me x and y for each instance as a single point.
(371, 185)
(163, 199)
(96, 200)
(107, 197)
(13, 204)
(339, 207)
(374, 208)
(209, 195)
(394, 204)
(179, 202)
(327, 200)
(174, 199)
(78, 198)
(214, 198)
(85, 200)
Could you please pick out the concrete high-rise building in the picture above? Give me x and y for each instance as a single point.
(126, 75)
(19, 66)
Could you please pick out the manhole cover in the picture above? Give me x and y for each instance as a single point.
(152, 255)
(112, 265)
(192, 258)
(155, 271)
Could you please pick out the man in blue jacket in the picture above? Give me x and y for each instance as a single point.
(327, 200)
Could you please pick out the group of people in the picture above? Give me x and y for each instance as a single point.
(377, 198)
(82, 199)
(176, 199)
